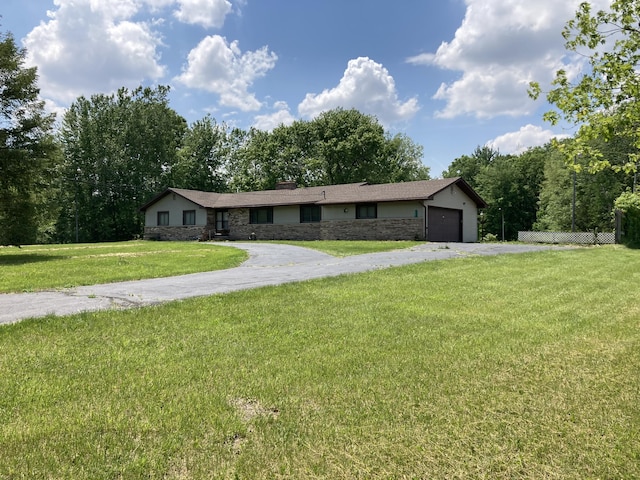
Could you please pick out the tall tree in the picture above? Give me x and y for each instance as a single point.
(203, 158)
(594, 194)
(603, 102)
(26, 146)
(511, 186)
(118, 151)
(350, 146)
(555, 204)
(470, 166)
(402, 160)
(339, 146)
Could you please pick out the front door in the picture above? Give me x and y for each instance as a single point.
(222, 222)
(445, 225)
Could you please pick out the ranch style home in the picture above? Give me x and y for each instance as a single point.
(444, 210)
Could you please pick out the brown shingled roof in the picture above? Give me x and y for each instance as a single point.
(202, 199)
(325, 195)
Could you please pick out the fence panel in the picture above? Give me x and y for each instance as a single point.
(588, 238)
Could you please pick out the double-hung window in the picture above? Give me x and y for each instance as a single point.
(163, 219)
(188, 217)
(367, 210)
(261, 215)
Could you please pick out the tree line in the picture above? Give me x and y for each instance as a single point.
(86, 180)
(539, 190)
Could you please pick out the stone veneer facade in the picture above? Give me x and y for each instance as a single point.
(241, 229)
(363, 229)
(173, 233)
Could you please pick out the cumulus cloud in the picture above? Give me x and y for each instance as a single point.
(525, 138)
(500, 47)
(366, 86)
(281, 116)
(88, 46)
(207, 13)
(220, 67)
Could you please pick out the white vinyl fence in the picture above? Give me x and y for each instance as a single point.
(567, 237)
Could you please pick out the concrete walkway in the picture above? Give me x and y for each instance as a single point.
(269, 264)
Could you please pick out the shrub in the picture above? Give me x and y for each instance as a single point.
(629, 204)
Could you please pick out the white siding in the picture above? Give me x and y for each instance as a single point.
(175, 205)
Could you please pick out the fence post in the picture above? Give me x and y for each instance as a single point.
(618, 226)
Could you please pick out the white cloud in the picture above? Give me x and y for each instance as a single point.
(89, 46)
(281, 116)
(500, 47)
(525, 138)
(220, 67)
(366, 86)
(207, 13)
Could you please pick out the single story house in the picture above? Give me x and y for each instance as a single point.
(444, 210)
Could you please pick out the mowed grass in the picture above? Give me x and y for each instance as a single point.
(514, 366)
(344, 248)
(41, 267)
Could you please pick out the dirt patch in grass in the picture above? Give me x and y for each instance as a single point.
(250, 409)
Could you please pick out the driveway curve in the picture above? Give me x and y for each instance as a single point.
(268, 264)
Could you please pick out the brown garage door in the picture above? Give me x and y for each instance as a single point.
(445, 225)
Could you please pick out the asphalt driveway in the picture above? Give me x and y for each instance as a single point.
(268, 264)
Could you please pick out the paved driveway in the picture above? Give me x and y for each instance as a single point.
(268, 264)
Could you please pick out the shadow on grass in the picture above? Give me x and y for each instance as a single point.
(7, 260)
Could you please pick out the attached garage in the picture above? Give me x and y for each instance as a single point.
(445, 225)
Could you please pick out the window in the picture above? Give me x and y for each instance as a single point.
(188, 217)
(367, 210)
(163, 218)
(309, 213)
(222, 220)
(261, 215)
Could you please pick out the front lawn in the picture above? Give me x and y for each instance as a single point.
(513, 366)
(42, 267)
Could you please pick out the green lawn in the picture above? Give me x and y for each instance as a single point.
(45, 267)
(343, 248)
(514, 366)
(41, 267)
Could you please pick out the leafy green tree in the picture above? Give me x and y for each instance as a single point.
(118, 152)
(339, 146)
(629, 204)
(511, 186)
(249, 167)
(469, 166)
(604, 100)
(27, 147)
(594, 194)
(554, 214)
(203, 157)
(350, 146)
(402, 161)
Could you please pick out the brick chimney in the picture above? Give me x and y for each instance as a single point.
(287, 185)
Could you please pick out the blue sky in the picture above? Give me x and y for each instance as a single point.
(450, 74)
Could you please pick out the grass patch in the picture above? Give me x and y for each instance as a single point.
(41, 267)
(514, 366)
(344, 248)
